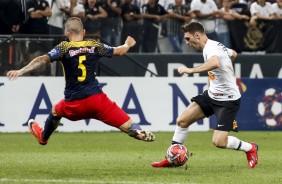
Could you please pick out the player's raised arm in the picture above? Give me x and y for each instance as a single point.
(34, 64)
(122, 49)
(211, 64)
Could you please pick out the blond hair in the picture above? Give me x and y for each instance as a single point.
(74, 25)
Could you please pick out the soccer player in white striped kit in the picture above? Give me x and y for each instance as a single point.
(222, 97)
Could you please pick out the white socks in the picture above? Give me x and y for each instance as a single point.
(236, 144)
(180, 134)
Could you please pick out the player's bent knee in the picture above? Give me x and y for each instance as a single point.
(54, 111)
(181, 123)
(219, 143)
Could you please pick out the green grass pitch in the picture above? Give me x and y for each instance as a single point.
(115, 158)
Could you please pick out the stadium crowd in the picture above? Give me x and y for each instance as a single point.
(145, 20)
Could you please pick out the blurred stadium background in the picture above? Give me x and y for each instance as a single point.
(148, 88)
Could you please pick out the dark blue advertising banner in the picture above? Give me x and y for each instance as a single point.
(261, 105)
(245, 66)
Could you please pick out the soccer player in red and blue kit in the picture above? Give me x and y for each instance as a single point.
(84, 98)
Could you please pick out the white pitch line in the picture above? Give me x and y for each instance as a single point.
(75, 181)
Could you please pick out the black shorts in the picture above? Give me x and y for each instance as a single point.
(225, 111)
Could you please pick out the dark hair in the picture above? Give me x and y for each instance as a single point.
(193, 27)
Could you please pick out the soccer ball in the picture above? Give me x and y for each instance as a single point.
(270, 108)
(177, 154)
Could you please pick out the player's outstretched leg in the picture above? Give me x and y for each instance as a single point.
(36, 130)
(135, 131)
(252, 155)
(163, 163)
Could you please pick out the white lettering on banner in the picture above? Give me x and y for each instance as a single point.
(280, 74)
(1, 124)
(154, 103)
(172, 67)
(256, 72)
(237, 70)
(151, 67)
